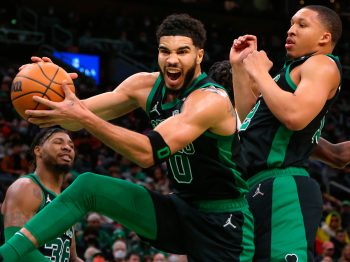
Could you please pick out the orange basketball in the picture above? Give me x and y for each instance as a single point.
(38, 79)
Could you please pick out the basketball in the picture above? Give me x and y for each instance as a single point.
(38, 79)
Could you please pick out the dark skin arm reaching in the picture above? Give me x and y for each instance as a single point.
(334, 155)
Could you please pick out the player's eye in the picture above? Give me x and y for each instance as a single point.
(163, 51)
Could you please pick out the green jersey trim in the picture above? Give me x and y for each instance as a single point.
(36, 180)
(177, 100)
(151, 94)
(289, 79)
(275, 172)
(294, 86)
(169, 105)
(279, 146)
(222, 205)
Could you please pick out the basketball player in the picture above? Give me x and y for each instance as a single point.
(334, 155)
(53, 152)
(281, 128)
(207, 217)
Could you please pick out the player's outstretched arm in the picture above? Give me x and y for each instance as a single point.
(22, 200)
(334, 155)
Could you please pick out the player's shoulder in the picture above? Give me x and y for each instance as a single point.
(143, 78)
(24, 189)
(209, 98)
(212, 93)
(319, 61)
(321, 65)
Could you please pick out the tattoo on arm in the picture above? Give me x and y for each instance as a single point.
(37, 193)
(16, 218)
(19, 213)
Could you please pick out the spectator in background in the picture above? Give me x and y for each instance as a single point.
(94, 234)
(345, 254)
(160, 257)
(119, 250)
(340, 240)
(15, 163)
(132, 257)
(329, 227)
(327, 251)
(91, 253)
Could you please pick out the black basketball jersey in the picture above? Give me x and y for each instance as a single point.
(267, 143)
(59, 248)
(204, 169)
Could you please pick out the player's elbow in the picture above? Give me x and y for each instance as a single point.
(145, 161)
(294, 123)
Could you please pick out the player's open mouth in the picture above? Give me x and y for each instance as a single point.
(173, 76)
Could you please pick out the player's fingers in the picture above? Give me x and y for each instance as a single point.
(40, 121)
(249, 37)
(23, 66)
(36, 59)
(44, 101)
(47, 59)
(67, 91)
(73, 75)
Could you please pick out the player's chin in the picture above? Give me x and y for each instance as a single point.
(64, 167)
(174, 84)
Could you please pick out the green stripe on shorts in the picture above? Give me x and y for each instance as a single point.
(247, 238)
(288, 235)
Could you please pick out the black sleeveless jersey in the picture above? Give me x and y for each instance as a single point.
(59, 248)
(267, 143)
(204, 169)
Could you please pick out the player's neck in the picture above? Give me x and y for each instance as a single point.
(50, 179)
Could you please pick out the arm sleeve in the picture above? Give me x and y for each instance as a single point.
(34, 256)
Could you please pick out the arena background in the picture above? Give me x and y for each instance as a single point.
(121, 35)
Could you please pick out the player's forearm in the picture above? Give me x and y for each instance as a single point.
(34, 256)
(134, 146)
(334, 155)
(243, 87)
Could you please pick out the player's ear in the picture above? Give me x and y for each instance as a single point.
(326, 38)
(200, 55)
(37, 151)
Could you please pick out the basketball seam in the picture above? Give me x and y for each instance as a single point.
(24, 76)
(70, 84)
(47, 86)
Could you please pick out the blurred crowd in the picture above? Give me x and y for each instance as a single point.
(98, 237)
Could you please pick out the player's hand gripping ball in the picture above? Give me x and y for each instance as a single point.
(38, 79)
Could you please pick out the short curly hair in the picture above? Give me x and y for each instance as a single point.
(221, 73)
(183, 25)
